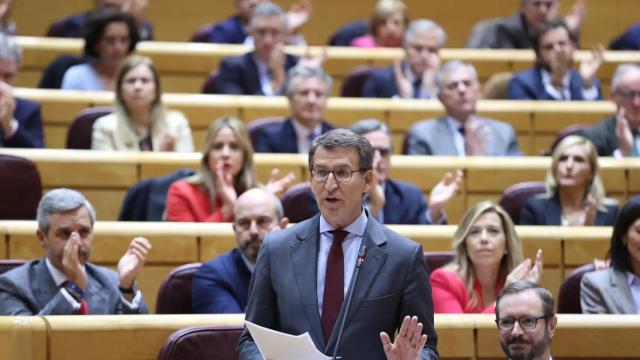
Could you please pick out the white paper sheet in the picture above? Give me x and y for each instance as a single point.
(275, 345)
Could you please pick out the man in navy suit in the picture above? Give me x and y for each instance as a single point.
(397, 202)
(20, 120)
(552, 78)
(221, 285)
(307, 89)
(262, 71)
(412, 78)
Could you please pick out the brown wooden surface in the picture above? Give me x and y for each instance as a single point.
(23, 337)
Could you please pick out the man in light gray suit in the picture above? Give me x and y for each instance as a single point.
(461, 132)
(304, 274)
(64, 282)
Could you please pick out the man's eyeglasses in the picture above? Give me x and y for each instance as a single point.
(627, 94)
(263, 222)
(341, 173)
(526, 322)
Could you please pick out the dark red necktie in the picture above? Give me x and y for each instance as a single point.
(333, 284)
(84, 306)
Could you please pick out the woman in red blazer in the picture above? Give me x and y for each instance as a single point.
(488, 256)
(226, 171)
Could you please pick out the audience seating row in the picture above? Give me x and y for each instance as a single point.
(175, 244)
(104, 177)
(141, 337)
(536, 123)
(325, 20)
(185, 67)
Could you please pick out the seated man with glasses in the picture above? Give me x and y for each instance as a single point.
(526, 320)
(397, 202)
(619, 135)
(221, 285)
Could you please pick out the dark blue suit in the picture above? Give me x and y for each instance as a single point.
(404, 204)
(527, 85)
(72, 26)
(543, 210)
(229, 31)
(238, 75)
(630, 40)
(280, 137)
(221, 285)
(381, 83)
(29, 133)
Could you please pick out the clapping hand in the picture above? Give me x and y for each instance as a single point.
(309, 60)
(576, 15)
(7, 107)
(623, 133)
(589, 67)
(527, 270)
(278, 186)
(442, 193)
(298, 15)
(408, 344)
(133, 261)
(590, 210)
(477, 134)
(405, 88)
(225, 187)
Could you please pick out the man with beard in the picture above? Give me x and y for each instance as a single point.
(65, 282)
(552, 78)
(307, 89)
(221, 285)
(526, 320)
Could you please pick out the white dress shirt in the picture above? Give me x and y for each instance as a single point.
(264, 75)
(565, 94)
(303, 135)
(350, 248)
(634, 286)
(458, 139)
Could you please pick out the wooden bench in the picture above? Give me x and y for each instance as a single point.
(536, 122)
(175, 244)
(184, 67)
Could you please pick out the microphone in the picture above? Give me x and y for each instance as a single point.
(347, 303)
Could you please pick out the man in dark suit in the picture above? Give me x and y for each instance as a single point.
(552, 78)
(221, 285)
(516, 31)
(412, 78)
(64, 282)
(461, 132)
(397, 202)
(303, 274)
(262, 71)
(20, 120)
(526, 321)
(619, 135)
(307, 89)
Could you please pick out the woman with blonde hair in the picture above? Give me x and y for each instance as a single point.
(140, 121)
(575, 195)
(226, 171)
(488, 256)
(387, 25)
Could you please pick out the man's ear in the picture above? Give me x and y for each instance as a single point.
(41, 237)
(552, 323)
(283, 222)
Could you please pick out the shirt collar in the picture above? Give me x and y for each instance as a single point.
(250, 265)
(303, 131)
(633, 279)
(546, 78)
(263, 68)
(58, 276)
(355, 228)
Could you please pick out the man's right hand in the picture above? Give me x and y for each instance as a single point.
(71, 263)
(405, 88)
(623, 133)
(276, 65)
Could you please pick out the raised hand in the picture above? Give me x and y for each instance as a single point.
(408, 344)
(73, 258)
(576, 15)
(298, 15)
(623, 133)
(167, 142)
(527, 270)
(405, 88)
(589, 67)
(225, 187)
(442, 193)
(376, 192)
(5, 11)
(590, 210)
(133, 261)
(276, 65)
(136, 8)
(477, 134)
(278, 186)
(309, 60)
(7, 106)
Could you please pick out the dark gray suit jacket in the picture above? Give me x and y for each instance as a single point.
(30, 290)
(434, 137)
(502, 33)
(606, 292)
(393, 282)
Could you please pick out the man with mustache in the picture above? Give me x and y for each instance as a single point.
(65, 282)
(526, 320)
(221, 285)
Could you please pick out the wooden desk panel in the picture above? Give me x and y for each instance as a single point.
(23, 337)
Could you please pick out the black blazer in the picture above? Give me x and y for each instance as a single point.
(238, 75)
(543, 210)
(29, 133)
(280, 137)
(381, 83)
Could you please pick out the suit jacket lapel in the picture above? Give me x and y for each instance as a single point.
(553, 212)
(621, 292)
(289, 138)
(96, 296)
(304, 255)
(251, 76)
(443, 139)
(374, 260)
(44, 288)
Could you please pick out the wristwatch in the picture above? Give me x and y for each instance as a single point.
(129, 291)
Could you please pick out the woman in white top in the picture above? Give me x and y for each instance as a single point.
(140, 121)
